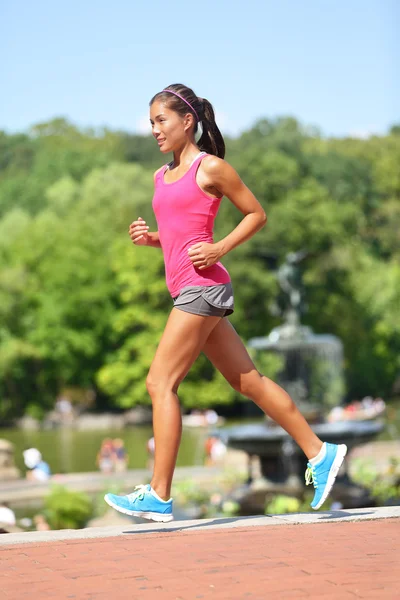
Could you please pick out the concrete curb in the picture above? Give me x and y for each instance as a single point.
(337, 516)
(22, 492)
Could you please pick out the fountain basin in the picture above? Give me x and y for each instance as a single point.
(262, 439)
(280, 457)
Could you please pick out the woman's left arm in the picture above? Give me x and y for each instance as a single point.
(225, 180)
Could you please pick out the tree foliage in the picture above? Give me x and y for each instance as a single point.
(80, 306)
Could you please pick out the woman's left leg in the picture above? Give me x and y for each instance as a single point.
(183, 338)
(226, 351)
(181, 343)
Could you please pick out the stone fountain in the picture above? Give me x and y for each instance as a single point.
(312, 373)
(312, 370)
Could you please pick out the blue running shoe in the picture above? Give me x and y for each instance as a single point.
(323, 474)
(143, 502)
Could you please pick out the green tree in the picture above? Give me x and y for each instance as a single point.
(81, 306)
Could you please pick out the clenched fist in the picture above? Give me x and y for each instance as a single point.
(138, 232)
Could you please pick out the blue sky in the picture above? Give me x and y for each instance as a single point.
(331, 64)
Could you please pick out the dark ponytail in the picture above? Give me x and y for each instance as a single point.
(211, 140)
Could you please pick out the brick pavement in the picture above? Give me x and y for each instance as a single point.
(327, 561)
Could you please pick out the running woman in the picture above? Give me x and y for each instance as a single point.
(188, 192)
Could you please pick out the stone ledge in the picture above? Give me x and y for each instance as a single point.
(359, 514)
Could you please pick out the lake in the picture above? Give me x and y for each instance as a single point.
(70, 451)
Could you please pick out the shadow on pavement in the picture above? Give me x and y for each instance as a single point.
(342, 514)
(336, 514)
(198, 525)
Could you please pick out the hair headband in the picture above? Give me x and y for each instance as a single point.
(182, 98)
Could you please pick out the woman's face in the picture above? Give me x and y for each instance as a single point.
(168, 128)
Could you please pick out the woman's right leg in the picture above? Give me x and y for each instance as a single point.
(226, 351)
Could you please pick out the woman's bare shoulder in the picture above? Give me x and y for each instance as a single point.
(212, 164)
(217, 168)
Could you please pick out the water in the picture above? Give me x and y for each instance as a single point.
(69, 451)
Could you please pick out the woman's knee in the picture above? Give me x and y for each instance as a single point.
(152, 384)
(247, 385)
(157, 386)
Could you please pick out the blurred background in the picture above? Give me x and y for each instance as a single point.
(307, 96)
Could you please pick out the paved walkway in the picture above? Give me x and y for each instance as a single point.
(328, 557)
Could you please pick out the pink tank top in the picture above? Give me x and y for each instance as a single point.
(185, 216)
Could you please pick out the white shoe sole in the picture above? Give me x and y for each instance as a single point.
(159, 517)
(337, 463)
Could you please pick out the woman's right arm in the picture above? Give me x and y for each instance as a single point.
(153, 239)
(141, 236)
(139, 231)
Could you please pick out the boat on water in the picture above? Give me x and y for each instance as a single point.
(366, 409)
(205, 418)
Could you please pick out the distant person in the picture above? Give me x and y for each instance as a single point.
(120, 456)
(63, 405)
(105, 457)
(215, 450)
(64, 409)
(7, 516)
(38, 469)
(40, 523)
(188, 192)
(211, 417)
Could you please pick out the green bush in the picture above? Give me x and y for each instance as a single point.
(190, 492)
(67, 509)
(281, 504)
(383, 485)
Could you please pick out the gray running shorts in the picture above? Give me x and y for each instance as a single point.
(207, 301)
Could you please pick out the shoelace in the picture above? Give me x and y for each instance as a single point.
(310, 476)
(139, 494)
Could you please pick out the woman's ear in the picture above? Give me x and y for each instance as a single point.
(188, 121)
